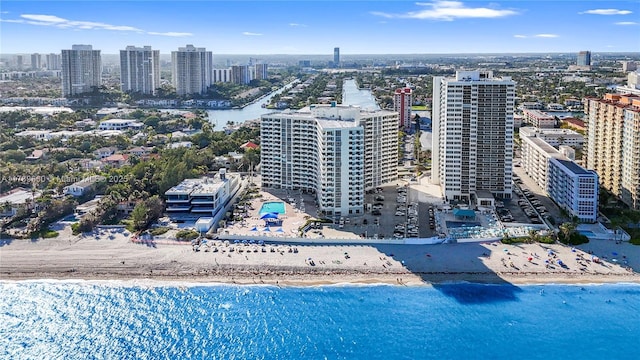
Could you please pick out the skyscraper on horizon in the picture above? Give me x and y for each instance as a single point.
(140, 69)
(54, 61)
(336, 56)
(584, 58)
(191, 70)
(81, 70)
(36, 61)
(472, 152)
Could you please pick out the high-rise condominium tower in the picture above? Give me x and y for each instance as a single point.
(192, 70)
(402, 104)
(336, 56)
(473, 135)
(81, 70)
(584, 58)
(36, 61)
(140, 69)
(613, 144)
(54, 61)
(333, 151)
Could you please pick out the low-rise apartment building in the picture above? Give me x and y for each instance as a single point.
(572, 187)
(555, 137)
(538, 118)
(203, 197)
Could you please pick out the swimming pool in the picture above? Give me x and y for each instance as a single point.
(460, 224)
(587, 233)
(272, 207)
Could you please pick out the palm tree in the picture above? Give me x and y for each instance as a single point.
(567, 229)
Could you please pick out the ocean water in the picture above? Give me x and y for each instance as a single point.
(120, 320)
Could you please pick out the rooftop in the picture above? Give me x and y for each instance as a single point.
(205, 185)
(18, 196)
(573, 167)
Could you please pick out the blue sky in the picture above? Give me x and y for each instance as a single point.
(316, 27)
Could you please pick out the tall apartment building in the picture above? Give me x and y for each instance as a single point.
(613, 144)
(584, 58)
(54, 61)
(402, 104)
(140, 69)
(472, 147)
(36, 61)
(240, 74)
(191, 70)
(333, 151)
(222, 75)
(629, 66)
(336, 56)
(19, 62)
(81, 70)
(572, 187)
(260, 71)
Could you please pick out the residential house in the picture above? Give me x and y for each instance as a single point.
(105, 152)
(83, 186)
(116, 160)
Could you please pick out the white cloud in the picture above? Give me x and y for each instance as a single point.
(247, 33)
(607, 12)
(297, 25)
(626, 23)
(56, 21)
(547, 36)
(170, 33)
(448, 11)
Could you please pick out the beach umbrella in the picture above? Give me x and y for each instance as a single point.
(266, 229)
(254, 228)
(279, 230)
(271, 215)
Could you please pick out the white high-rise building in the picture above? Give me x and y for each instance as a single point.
(473, 134)
(81, 70)
(36, 61)
(333, 151)
(222, 75)
(192, 70)
(240, 74)
(140, 69)
(260, 71)
(54, 61)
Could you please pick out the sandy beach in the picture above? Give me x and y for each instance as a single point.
(112, 256)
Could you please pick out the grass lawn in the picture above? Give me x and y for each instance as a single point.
(419, 107)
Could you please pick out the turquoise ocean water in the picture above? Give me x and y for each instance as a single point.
(117, 320)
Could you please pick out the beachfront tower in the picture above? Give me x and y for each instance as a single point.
(333, 151)
(472, 149)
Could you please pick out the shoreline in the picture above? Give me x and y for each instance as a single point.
(286, 279)
(111, 256)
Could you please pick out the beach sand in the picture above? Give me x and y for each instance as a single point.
(111, 256)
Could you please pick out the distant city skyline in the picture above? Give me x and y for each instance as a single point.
(317, 27)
